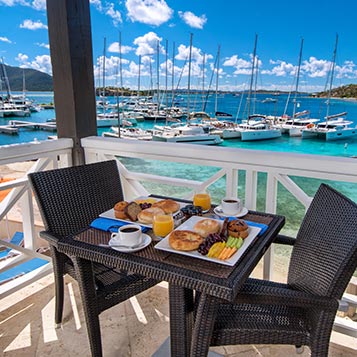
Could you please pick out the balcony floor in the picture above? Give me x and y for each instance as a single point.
(134, 328)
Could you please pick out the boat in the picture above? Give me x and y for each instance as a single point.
(335, 126)
(189, 134)
(269, 100)
(258, 128)
(129, 133)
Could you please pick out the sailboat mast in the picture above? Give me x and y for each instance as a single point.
(121, 83)
(252, 75)
(203, 80)
(189, 78)
(331, 78)
(166, 76)
(173, 76)
(158, 76)
(297, 78)
(104, 55)
(217, 78)
(139, 76)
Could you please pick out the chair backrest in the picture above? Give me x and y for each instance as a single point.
(324, 256)
(69, 199)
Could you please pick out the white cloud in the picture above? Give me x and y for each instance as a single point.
(41, 63)
(5, 39)
(44, 45)
(114, 14)
(114, 47)
(31, 25)
(281, 70)
(192, 20)
(196, 54)
(241, 66)
(147, 44)
(108, 9)
(39, 5)
(150, 12)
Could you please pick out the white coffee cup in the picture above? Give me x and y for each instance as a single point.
(231, 206)
(129, 235)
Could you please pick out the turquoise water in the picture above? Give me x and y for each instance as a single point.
(287, 205)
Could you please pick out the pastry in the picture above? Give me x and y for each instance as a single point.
(185, 240)
(169, 206)
(119, 210)
(206, 226)
(132, 210)
(146, 216)
(238, 228)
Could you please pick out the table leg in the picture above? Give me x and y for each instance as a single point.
(181, 320)
(204, 322)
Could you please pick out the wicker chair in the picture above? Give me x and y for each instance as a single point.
(301, 312)
(69, 199)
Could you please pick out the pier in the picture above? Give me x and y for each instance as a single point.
(14, 126)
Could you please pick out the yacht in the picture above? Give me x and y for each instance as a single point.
(334, 128)
(295, 125)
(189, 134)
(258, 129)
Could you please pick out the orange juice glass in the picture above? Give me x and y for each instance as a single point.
(162, 224)
(203, 200)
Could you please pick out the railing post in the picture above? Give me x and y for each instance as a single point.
(28, 223)
(270, 206)
(231, 182)
(251, 184)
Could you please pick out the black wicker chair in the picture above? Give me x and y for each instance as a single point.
(69, 199)
(301, 312)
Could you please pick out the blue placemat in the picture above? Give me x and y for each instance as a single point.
(111, 225)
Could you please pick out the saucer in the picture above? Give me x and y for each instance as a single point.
(146, 242)
(218, 211)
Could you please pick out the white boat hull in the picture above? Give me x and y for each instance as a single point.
(231, 134)
(252, 135)
(189, 139)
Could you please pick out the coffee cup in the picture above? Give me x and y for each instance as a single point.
(129, 235)
(231, 206)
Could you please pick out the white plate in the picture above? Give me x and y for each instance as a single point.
(110, 214)
(188, 225)
(218, 211)
(146, 242)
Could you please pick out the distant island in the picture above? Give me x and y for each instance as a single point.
(347, 91)
(42, 82)
(34, 80)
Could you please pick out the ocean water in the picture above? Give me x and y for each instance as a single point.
(287, 205)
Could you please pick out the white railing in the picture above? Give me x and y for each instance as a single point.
(40, 155)
(238, 169)
(278, 167)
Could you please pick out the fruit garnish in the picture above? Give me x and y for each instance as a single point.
(150, 200)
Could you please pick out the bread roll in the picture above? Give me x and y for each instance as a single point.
(185, 240)
(146, 216)
(206, 226)
(169, 206)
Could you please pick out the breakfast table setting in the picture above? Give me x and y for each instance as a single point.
(205, 252)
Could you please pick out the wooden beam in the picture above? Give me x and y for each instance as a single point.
(70, 39)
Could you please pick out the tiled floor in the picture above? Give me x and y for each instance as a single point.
(134, 328)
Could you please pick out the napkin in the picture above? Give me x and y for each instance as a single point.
(111, 225)
(263, 227)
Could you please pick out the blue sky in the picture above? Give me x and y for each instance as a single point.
(232, 25)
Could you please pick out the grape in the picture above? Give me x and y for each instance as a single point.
(208, 242)
(145, 205)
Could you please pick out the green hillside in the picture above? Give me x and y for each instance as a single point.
(35, 80)
(348, 91)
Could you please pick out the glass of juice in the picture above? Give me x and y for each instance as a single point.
(203, 200)
(162, 224)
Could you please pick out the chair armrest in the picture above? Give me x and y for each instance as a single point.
(50, 238)
(256, 291)
(285, 240)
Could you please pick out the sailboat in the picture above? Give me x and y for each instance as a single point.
(256, 127)
(191, 134)
(335, 126)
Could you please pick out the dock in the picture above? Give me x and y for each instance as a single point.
(8, 129)
(14, 126)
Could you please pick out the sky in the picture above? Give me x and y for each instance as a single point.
(223, 32)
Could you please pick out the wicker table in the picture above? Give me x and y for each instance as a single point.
(187, 277)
